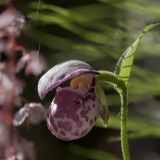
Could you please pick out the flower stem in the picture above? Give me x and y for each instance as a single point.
(124, 112)
(121, 88)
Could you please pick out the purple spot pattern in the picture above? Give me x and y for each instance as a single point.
(69, 120)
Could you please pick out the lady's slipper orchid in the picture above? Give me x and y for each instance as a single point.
(74, 109)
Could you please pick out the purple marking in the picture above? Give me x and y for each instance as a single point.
(91, 122)
(62, 133)
(67, 126)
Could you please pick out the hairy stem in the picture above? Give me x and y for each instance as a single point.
(124, 112)
(121, 88)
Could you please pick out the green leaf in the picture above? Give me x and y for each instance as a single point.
(124, 65)
(104, 113)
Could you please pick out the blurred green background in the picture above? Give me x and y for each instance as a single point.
(98, 32)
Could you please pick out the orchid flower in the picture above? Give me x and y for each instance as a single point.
(74, 109)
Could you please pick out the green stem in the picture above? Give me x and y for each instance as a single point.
(108, 77)
(124, 112)
(121, 88)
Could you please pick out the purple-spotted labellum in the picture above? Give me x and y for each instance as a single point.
(74, 109)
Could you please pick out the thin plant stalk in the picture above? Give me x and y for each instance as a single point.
(124, 135)
(121, 88)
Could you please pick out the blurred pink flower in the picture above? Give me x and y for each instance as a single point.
(4, 133)
(3, 46)
(11, 21)
(19, 148)
(33, 112)
(36, 64)
(10, 88)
